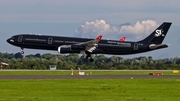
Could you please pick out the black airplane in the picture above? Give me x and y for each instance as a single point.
(91, 46)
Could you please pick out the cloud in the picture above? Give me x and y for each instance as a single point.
(139, 29)
(91, 29)
(100, 27)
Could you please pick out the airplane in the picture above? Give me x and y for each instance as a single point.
(4, 64)
(88, 47)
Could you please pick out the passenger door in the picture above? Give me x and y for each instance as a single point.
(50, 40)
(135, 46)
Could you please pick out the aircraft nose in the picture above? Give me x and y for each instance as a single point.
(10, 40)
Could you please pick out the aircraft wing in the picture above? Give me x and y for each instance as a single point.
(92, 44)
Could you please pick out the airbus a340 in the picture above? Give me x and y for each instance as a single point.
(92, 46)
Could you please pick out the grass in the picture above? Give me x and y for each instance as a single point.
(90, 90)
(89, 72)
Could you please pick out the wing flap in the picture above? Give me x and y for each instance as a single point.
(91, 45)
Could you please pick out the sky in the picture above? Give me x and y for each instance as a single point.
(112, 19)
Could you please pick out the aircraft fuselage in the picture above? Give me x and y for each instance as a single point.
(53, 42)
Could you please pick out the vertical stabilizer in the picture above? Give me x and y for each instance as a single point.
(158, 35)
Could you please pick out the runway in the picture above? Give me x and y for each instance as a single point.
(24, 77)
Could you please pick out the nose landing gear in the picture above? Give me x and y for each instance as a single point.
(22, 52)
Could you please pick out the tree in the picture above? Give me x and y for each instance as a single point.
(18, 55)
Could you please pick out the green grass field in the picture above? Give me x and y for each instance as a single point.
(90, 90)
(89, 72)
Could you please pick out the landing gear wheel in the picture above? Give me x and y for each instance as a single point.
(22, 52)
(86, 57)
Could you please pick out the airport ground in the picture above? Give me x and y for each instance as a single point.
(26, 85)
(86, 72)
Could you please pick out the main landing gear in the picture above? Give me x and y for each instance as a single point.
(86, 57)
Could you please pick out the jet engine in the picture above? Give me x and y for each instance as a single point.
(70, 48)
(64, 49)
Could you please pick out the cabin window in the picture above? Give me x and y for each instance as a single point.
(136, 46)
(30, 39)
(59, 41)
(20, 38)
(50, 40)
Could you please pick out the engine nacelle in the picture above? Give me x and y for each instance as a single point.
(64, 49)
(154, 46)
(70, 49)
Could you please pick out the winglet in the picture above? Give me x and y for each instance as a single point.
(122, 39)
(99, 37)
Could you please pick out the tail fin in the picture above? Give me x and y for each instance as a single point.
(157, 36)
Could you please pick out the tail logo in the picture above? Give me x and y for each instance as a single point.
(159, 33)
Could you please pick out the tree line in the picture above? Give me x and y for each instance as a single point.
(66, 62)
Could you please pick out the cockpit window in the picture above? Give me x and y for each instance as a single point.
(12, 38)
